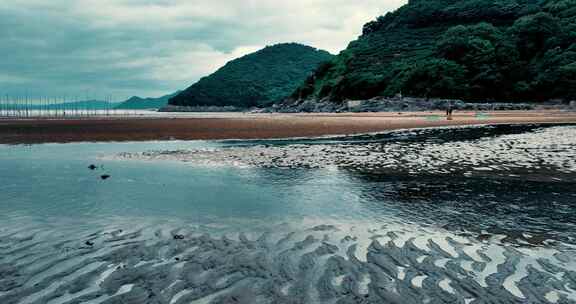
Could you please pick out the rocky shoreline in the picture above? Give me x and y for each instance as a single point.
(175, 109)
(380, 104)
(408, 104)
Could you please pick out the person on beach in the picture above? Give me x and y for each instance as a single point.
(449, 111)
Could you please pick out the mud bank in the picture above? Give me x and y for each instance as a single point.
(190, 126)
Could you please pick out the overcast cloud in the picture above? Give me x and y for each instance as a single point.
(153, 47)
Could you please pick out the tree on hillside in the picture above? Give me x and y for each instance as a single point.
(435, 77)
(532, 32)
(505, 50)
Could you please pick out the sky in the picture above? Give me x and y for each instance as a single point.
(148, 48)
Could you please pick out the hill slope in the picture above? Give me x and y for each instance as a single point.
(468, 49)
(257, 79)
(138, 103)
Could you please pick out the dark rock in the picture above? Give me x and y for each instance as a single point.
(398, 105)
(105, 177)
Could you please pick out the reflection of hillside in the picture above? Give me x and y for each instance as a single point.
(484, 206)
(443, 135)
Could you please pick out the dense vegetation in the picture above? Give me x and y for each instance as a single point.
(468, 49)
(257, 79)
(138, 103)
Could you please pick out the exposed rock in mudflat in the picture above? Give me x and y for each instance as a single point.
(543, 154)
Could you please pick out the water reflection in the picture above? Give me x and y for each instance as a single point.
(478, 206)
(458, 215)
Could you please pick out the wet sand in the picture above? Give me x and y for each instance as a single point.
(381, 237)
(203, 126)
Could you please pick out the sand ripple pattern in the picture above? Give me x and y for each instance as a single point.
(323, 264)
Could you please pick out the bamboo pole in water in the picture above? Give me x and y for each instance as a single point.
(29, 112)
(27, 105)
(46, 107)
(2, 107)
(74, 107)
(24, 106)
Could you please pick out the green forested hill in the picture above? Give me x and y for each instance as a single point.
(256, 79)
(468, 49)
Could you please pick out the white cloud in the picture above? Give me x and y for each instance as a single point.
(152, 47)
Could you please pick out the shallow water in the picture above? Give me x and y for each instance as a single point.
(460, 215)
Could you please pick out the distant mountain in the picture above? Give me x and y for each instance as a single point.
(138, 103)
(466, 49)
(257, 79)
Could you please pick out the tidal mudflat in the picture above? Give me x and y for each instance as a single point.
(447, 215)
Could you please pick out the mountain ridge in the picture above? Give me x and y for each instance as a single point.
(255, 80)
(470, 50)
(139, 103)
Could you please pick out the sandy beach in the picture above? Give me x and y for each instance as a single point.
(204, 126)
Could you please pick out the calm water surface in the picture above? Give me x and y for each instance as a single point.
(463, 215)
